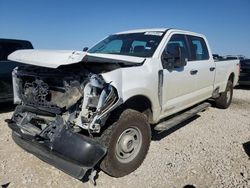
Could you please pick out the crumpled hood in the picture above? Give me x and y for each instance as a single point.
(47, 58)
(56, 58)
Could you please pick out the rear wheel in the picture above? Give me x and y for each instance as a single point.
(128, 141)
(225, 98)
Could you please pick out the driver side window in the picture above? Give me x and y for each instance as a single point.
(177, 40)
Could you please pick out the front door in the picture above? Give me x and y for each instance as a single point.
(179, 85)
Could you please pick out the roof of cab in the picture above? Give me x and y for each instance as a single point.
(143, 30)
(159, 30)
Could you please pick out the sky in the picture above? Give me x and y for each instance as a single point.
(75, 24)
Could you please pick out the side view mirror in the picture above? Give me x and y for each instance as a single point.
(85, 49)
(174, 58)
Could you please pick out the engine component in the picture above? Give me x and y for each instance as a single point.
(82, 100)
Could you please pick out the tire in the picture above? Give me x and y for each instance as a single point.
(130, 131)
(225, 99)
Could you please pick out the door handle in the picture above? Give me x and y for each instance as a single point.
(193, 72)
(212, 68)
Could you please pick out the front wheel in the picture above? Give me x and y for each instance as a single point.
(128, 141)
(225, 99)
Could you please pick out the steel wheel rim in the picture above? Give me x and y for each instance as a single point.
(128, 145)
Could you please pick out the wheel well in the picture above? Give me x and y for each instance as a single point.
(231, 77)
(141, 104)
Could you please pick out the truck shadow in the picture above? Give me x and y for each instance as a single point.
(7, 107)
(242, 87)
(5, 185)
(246, 147)
(156, 136)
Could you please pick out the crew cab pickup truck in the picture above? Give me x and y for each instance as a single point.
(78, 110)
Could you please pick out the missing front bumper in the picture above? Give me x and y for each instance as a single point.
(70, 152)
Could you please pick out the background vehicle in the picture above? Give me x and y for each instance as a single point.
(244, 78)
(7, 46)
(78, 109)
(240, 57)
(218, 57)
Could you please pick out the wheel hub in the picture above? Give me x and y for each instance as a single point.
(128, 145)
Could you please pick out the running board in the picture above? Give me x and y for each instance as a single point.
(168, 124)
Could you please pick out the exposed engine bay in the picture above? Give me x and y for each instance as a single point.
(63, 101)
(76, 97)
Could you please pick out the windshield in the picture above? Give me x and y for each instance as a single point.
(134, 44)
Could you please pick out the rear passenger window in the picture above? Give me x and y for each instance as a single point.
(139, 43)
(138, 46)
(198, 48)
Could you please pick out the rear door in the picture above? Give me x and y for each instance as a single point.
(205, 66)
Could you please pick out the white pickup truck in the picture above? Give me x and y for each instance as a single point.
(77, 110)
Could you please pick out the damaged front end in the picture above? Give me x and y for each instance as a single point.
(58, 112)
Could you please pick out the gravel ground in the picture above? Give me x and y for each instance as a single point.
(207, 151)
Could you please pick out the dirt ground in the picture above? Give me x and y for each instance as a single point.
(206, 151)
